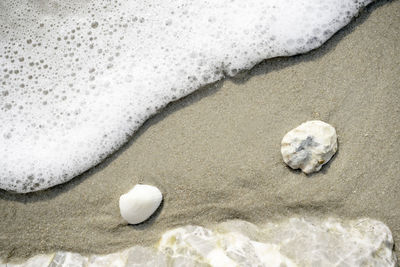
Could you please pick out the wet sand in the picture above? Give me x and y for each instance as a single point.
(216, 154)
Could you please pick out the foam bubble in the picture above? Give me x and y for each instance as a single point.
(79, 77)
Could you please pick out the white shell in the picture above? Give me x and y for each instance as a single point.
(139, 203)
(309, 146)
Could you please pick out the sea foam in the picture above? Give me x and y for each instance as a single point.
(77, 78)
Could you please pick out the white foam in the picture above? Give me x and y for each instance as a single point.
(77, 78)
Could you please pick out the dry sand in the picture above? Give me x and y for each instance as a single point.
(216, 154)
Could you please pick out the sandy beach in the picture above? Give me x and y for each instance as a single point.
(215, 154)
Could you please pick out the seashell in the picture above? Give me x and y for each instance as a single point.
(309, 146)
(139, 203)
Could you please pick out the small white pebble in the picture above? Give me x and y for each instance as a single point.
(139, 203)
(309, 146)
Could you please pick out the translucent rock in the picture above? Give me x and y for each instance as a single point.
(115, 260)
(246, 252)
(185, 261)
(139, 203)
(36, 261)
(333, 242)
(194, 242)
(291, 242)
(230, 249)
(68, 259)
(145, 257)
(309, 146)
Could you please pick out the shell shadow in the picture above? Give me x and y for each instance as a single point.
(150, 221)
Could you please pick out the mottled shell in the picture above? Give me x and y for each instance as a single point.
(309, 146)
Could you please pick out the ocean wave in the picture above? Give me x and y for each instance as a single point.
(78, 78)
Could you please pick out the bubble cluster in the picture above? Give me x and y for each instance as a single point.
(77, 78)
